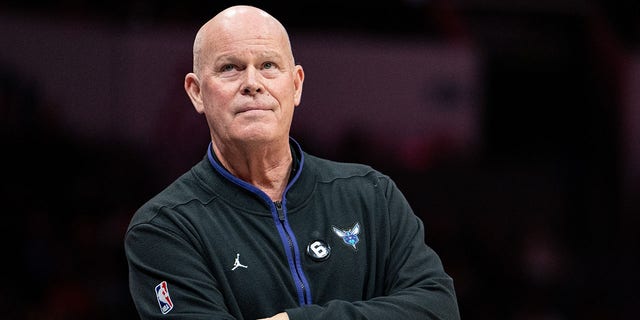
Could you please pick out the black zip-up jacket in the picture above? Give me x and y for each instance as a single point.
(343, 244)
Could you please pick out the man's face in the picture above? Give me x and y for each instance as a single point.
(248, 84)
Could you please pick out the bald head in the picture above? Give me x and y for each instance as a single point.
(235, 24)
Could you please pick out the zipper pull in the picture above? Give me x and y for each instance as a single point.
(278, 205)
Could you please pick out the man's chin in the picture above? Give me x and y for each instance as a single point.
(257, 135)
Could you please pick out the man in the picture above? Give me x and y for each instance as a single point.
(261, 229)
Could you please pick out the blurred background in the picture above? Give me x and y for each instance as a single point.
(513, 127)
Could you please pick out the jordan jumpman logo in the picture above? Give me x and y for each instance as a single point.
(237, 263)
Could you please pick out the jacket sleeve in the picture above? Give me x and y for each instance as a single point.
(416, 285)
(167, 273)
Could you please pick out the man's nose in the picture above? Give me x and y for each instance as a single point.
(252, 84)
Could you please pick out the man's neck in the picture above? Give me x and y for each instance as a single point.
(267, 168)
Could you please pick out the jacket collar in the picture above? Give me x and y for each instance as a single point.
(220, 181)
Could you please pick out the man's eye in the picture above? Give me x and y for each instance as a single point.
(268, 65)
(228, 67)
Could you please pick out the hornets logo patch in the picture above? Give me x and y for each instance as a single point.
(350, 236)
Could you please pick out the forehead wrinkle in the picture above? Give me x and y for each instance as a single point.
(261, 54)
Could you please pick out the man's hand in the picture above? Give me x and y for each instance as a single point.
(279, 316)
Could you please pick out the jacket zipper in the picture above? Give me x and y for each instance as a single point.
(300, 283)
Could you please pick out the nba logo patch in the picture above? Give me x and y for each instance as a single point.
(164, 300)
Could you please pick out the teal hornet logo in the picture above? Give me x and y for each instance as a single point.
(350, 237)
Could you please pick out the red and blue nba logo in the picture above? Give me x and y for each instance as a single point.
(164, 300)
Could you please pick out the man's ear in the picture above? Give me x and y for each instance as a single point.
(297, 82)
(192, 87)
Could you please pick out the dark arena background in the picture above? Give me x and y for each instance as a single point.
(513, 128)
